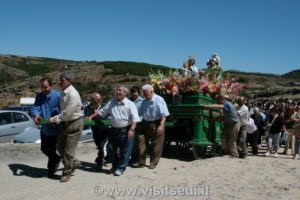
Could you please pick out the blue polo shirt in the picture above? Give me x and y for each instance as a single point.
(47, 106)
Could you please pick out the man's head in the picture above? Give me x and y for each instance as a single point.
(220, 99)
(256, 111)
(96, 99)
(241, 101)
(134, 93)
(65, 80)
(121, 92)
(274, 110)
(148, 92)
(46, 85)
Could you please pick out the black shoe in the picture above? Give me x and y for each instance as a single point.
(99, 167)
(243, 156)
(50, 173)
(112, 170)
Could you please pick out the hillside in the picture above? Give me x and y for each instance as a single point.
(20, 75)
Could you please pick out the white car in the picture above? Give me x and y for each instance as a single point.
(32, 135)
(13, 122)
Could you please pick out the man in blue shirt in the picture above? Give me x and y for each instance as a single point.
(154, 111)
(46, 105)
(231, 125)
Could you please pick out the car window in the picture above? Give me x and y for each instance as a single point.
(19, 117)
(5, 118)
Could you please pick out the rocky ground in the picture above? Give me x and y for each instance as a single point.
(22, 173)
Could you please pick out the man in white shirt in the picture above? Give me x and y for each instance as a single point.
(70, 125)
(243, 114)
(124, 116)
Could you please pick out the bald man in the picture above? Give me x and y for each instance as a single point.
(100, 131)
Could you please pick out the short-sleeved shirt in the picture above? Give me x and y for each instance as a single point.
(154, 109)
(122, 113)
(230, 114)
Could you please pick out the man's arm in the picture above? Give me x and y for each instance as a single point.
(215, 106)
(36, 110)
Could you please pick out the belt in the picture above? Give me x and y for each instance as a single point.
(151, 122)
(71, 121)
(120, 128)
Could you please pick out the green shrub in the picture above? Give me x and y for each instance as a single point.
(135, 68)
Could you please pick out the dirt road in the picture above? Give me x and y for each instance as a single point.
(22, 173)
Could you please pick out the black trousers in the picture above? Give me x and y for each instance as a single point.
(252, 139)
(100, 138)
(136, 148)
(48, 147)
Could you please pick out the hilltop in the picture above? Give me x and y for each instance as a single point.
(20, 77)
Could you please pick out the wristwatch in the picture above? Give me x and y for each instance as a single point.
(132, 129)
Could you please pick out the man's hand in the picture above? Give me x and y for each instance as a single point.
(160, 128)
(37, 119)
(89, 117)
(52, 120)
(130, 133)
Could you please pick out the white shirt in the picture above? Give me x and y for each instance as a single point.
(122, 113)
(251, 128)
(70, 105)
(243, 114)
(194, 69)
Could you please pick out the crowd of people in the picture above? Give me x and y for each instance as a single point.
(246, 123)
(136, 121)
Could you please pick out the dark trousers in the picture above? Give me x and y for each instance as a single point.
(149, 132)
(100, 139)
(118, 138)
(252, 139)
(136, 149)
(67, 139)
(48, 147)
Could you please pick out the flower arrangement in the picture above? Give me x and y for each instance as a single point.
(164, 83)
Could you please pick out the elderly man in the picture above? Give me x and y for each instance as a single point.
(231, 125)
(154, 111)
(100, 131)
(124, 116)
(46, 105)
(243, 114)
(70, 125)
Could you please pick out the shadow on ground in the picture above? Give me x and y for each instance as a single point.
(26, 170)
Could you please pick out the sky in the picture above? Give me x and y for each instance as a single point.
(249, 35)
